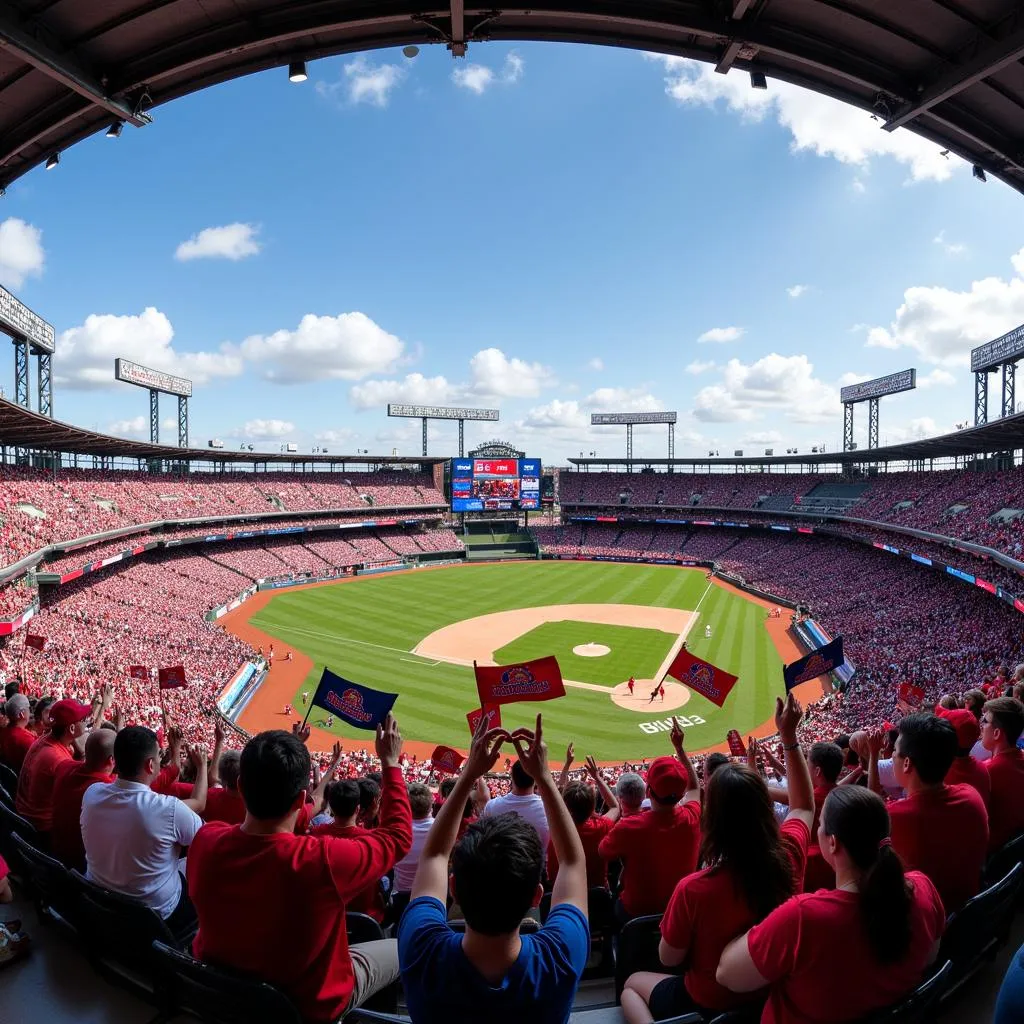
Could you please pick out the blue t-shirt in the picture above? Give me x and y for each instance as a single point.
(442, 986)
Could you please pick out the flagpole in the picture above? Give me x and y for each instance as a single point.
(21, 663)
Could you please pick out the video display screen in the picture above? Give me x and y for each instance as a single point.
(480, 485)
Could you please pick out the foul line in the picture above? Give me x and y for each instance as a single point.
(361, 643)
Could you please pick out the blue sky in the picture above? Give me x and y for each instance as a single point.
(549, 229)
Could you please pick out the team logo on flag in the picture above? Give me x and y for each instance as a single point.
(519, 680)
(349, 703)
(445, 759)
(702, 678)
(816, 666)
(818, 663)
(138, 672)
(539, 679)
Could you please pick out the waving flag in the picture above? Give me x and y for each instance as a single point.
(702, 677)
(474, 717)
(138, 672)
(540, 679)
(35, 641)
(909, 697)
(446, 759)
(354, 703)
(817, 663)
(737, 748)
(172, 678)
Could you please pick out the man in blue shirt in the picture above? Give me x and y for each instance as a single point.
(492, 973)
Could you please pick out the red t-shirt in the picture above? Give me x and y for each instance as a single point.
(815, 952)
(944, 833)
(72, 780)
(34, 801)
(967, 771)
(818, 873)
(707, 911)
(657, 849)
(274, 905)
(14, 745)
(224, 804)
(591, 832)
(369, 900)
(1006, 806)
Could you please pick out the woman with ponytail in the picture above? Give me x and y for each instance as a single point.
(838, 955)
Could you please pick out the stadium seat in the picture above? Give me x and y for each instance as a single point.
(364, 1016)
(976, 931)
(601, 920)
(399, 901)
(8, 779)
(362, 928)
(635, 948)
(53, 890)
(12, 823)
(5, 797)
(187, 985)
(919, 1006)
(1003, 860)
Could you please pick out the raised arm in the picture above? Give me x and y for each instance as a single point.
(611, 801)
(692, 785)
(197, 801)
(218, 749)
(317, 796)
(798, 775)
(563, 778)
(875, 740)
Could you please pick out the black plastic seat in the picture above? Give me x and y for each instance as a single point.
(9, 779)
(362, 928)
(1001, 863)
(6, 797)
(919, 1006)
(636, 949)
(53, 890)
(11, 824)
(399, 901)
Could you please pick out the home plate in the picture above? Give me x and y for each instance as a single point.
(591, 650)
(676, 695)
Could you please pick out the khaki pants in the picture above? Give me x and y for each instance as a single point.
(375, 967)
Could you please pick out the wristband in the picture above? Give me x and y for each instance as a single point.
(790, 746)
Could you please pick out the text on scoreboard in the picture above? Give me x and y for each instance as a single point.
(480, 485)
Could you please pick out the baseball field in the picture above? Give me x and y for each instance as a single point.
(417, 634)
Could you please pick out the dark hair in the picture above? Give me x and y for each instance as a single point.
(930, 742)
(377, 777)
(421, 800)
(497, 868)
(829, 757)
(1008, 713)
(521, 778)
(11, 688)
(580, 800)
(41, 705)
(133, 746)
(713, 762)
(741, 834)
(858, 820)
(343, 798)
(446, 787)
(369, 790)
(230, 762)
(974, 701)
(274, 770)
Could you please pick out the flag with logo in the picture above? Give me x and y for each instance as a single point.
(909, 697)
(35, 641)
(817, 663)
(702, 677)
(172, 677)
(138, 672)
(474, 717)
(446, 760)
(540, 679)
(736, 746)
(360, 706)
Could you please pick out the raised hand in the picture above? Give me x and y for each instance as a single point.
(219, 731)
(532, 750)
(569, 756)
(118, 719)
(788, 714)
(300, 730)
(196, 756)
(752, 753)
(876, 740)
(592, 768)
(677, 736)
(388, 742)
(485, 748)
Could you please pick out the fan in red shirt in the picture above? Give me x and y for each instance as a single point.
(753, 866)
(965, 770)
(73, 779)
(16, 737)
(1002, 722)
(925, 749)
(659, 847)
(581, 801)
(251, 884)
(224, 802)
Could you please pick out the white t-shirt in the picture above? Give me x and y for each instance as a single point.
(133, 839)
(529, 807)
(405, 869)
(887, 778)
(979, 753)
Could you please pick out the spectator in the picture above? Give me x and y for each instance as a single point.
(134, 837)
(974, 701)
(16, 737)
(224, 802)
(889, 924)
(314, 876)
(965, 769)
(753, 867)
(369, 801)
(421, 803)
(524, 801)
(469, 811)
(581, 800)
(73, 779)
(630, 790)
(492, 972)
(6, 896)
(712, 763)
(1010, 1005)
(925, 749)
(1001, 725)
(659, 847)
(69, 722)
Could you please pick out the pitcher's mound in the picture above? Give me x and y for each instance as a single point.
(676, 695)
(591, 650)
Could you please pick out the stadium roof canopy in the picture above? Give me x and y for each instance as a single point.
(20, 428)
(1001, 435)
(949, 70)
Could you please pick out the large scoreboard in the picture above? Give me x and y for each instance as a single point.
(483, 485)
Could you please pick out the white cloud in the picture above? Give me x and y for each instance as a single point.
(363, 81)
(721, 335)
(349, 346)
(415, 389)
(858, 186)
(918, 428)
(797, 290)
(265, 430)
(84, 358)
(949, 248)
(341, 436)
(943, 325)
(768, 437)
(816, 123)
(699, 366)
(782, 385)
(228, 242)
(136, 428)
(513, 70)
(597, 363)
(21, 252)
(494, 373)
(623, 400)
(938, 378)
(556, 416)
(478, 78)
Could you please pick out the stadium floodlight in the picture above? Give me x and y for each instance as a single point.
(114, 131)
(52, 160)
(758, 80)
(979, 172)
(297, 71)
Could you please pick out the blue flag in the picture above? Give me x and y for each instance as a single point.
(817, 663)
(358, 705)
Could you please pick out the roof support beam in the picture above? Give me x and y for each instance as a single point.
(735, 46)
(458, 40)
(28, 41)
(987, 61)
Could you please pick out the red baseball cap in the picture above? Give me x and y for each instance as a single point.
(67, 712)
(967, 729)
(666, 778)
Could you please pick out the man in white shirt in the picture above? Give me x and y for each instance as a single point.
(134, 837)
(421, 801)
(522, 801)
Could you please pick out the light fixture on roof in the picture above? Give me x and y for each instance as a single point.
(979, 172)
(297, 71)
(410, 51)
(52, 160)
(758, 80)
(114, 131)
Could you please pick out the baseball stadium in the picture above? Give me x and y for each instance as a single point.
(810, 624)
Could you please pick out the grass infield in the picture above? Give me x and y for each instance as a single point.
(365, 630)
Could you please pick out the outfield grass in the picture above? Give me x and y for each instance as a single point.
(365, 630)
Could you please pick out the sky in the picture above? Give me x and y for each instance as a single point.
(547, 229)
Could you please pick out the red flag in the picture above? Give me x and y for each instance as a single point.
(909, 697)
(735, 741)
(35, 640)
(138, 672)
(474, 717)
(446, 759)
(172, 678)
(702, 677)
(540, 679)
